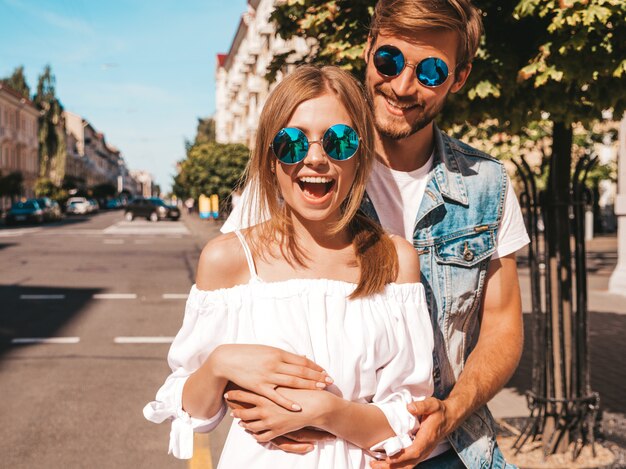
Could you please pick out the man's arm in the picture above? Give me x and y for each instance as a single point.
(487, 369)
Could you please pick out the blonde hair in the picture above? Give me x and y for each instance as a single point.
(305, 83)
(405, 17)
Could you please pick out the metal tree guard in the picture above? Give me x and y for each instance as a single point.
(563, 408)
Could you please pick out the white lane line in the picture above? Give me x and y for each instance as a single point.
(42, 297)
(113, 241)
(143, 340)
(18, 232)
(115, 296)
(175, 296)
(45, 340)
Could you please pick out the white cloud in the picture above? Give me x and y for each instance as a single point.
(66, 23)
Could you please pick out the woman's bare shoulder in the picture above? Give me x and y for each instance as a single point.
(222, 264)
(408, 261)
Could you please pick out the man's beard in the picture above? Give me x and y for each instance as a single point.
(393, 131)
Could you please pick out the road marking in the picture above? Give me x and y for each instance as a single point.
(42, 297)
(142, 227)
(143, 340)
(45, 340)
(115, 296)
(113, 241)
(18, 232)
(175, 296)
(201, 452)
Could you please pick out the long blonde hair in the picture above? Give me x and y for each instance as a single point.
(374, 250)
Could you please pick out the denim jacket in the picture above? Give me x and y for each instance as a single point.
(455, 236)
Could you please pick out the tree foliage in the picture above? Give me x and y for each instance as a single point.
(211, 168)
(205, 132)
(11, 185)
(51, 136)
(44, 187)
(561, 57)
(17, 82)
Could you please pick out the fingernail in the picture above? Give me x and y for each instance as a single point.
(412, 408)
(309, 449)
(226, 396)
(329, 380)
(231, 414)
(320, 385)
(296, 407)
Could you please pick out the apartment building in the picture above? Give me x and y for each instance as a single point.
(91, 159)
(241, 87)
(19, 147)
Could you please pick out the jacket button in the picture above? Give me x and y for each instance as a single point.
(468, 255)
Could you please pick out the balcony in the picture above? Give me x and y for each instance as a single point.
(256, 84)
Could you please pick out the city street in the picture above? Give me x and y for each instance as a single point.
(107, 295)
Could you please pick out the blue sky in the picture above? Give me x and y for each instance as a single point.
(140, 71)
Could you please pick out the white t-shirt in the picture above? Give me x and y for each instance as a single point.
(397, 196)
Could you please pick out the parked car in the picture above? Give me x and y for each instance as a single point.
(77, 206)
(94, 207)
(24, 212)
(51, 209)
(154, 209)
(113, 204)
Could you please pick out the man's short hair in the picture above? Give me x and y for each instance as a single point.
(405, 17)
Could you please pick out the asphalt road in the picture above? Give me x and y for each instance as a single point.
(109, 295)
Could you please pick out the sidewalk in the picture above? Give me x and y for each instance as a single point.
(607, 330)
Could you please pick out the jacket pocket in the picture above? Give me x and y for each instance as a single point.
(466, 248)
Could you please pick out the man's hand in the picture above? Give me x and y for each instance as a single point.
(301, 441)
(265, 420)
(435, 425)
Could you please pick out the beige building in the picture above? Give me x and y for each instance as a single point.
(91, 160)
(241, 87)
(146, 183)
(19, 148)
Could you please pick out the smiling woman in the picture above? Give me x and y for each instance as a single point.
(317, 291)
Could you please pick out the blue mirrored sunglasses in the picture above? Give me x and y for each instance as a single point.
(430, 72)
(340, 142)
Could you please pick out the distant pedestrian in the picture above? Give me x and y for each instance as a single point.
(189, 203)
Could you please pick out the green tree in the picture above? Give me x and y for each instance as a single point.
(205, 132)
(17, 82)
(104, 190)
(52, 145)
(211, 168)
(11, 185)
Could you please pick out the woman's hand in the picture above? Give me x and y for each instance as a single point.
(265, 420)
(262, 369)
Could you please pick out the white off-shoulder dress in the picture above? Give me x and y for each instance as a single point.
(377, 349)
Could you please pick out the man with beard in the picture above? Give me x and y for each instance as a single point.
(457, 207)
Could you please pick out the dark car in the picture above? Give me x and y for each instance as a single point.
(153, 208)
(50, 208)
(24, 212)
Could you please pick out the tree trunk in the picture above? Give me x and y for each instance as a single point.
(559, 253)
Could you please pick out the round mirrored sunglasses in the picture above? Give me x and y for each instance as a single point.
(290, 145)
(430, 72)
